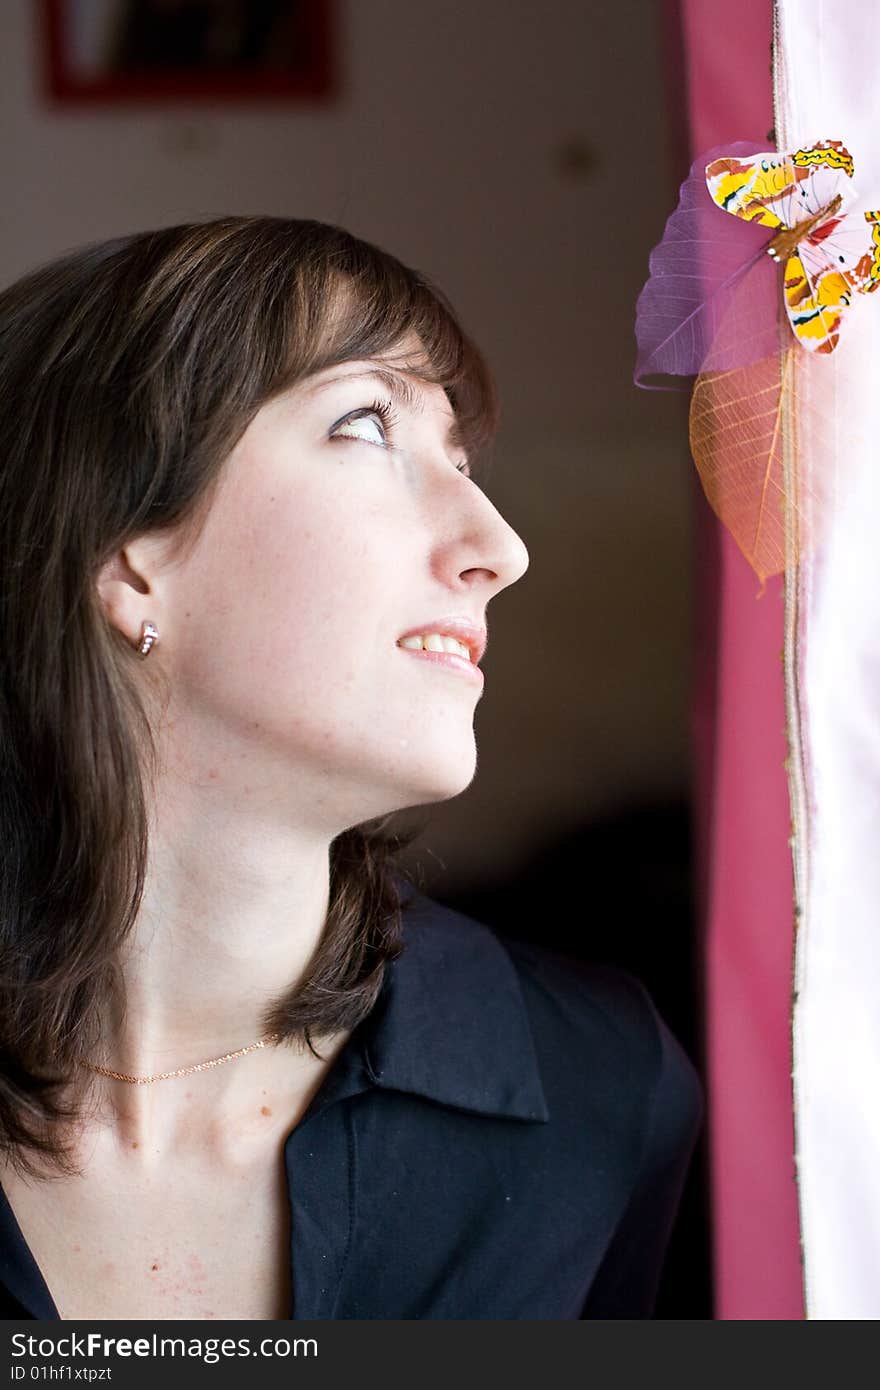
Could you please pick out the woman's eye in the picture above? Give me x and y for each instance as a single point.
(376, 424)
(371, 425)
(367, 427)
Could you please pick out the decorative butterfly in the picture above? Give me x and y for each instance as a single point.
(827, 252)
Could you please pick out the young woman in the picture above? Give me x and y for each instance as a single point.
(247, 1071)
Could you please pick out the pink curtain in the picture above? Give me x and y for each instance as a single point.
(742, 807)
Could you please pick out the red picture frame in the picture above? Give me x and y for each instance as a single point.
(161, 51)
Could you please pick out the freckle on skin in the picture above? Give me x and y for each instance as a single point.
(264, 1110)
(135, 1144)
(156, 1265)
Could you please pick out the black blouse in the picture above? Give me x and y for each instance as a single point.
(504, 1137)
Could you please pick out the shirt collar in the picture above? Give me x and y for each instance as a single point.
(450, 1023)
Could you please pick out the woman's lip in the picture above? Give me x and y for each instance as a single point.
(471, 634)
(448, 659)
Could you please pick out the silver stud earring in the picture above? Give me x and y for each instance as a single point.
(149, 634)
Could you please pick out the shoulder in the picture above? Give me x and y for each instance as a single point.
(603, 1019)
(602, 1048)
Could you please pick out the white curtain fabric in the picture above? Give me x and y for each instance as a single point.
(827, 87)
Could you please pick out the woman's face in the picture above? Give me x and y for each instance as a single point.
(334, 534)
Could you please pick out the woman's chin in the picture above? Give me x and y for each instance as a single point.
(441, 780)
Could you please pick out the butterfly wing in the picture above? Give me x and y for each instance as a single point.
(822, 172)
(750, 188)
(838, 257)
(852, 244)
(816, 298)
(870, 266)
(781, 190)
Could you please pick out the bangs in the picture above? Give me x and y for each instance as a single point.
(367, 303)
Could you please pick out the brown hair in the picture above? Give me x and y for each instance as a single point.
(128, 371)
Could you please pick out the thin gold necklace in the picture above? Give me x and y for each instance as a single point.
(181, 1071)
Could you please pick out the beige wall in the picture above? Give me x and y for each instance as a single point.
(517, 154)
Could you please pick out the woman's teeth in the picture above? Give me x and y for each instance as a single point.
(436, 642)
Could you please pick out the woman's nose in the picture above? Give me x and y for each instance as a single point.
(477, 542)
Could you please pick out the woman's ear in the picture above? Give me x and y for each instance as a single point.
(122, 585)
